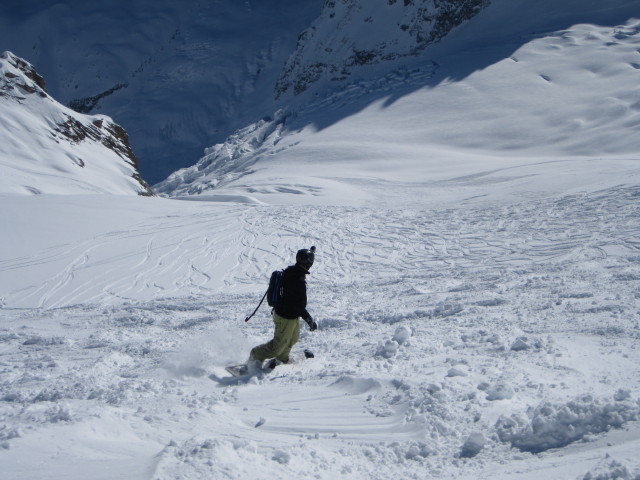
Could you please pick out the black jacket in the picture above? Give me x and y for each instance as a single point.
(293, 303)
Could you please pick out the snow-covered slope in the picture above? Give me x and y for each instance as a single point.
(48, 148)
(518, 85)
(468, 342)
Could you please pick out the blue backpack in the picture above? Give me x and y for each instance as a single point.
(274, 292)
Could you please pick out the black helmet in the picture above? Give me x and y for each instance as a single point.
(305, 257)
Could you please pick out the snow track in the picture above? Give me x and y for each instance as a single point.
(220, 249)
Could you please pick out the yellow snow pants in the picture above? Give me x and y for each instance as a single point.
(285, 336)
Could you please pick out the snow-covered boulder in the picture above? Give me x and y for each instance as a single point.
(402, 334)
(47, 148)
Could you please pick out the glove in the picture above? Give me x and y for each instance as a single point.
(312, 325)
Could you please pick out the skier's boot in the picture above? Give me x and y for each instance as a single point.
(271, 364)
(274, 362)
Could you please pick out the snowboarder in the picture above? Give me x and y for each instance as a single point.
(286, 314)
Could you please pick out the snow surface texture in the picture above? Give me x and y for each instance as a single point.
(470, 342)
(48, 148)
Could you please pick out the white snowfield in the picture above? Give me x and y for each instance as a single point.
(473, 341)
(476, 287)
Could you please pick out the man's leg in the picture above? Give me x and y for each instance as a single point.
(293, 339)
(286, 330)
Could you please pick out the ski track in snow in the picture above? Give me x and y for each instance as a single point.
(434, 325)
(172, 256)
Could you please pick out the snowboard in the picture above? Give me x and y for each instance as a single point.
(242, 369)
(238, 370)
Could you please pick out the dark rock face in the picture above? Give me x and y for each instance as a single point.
(28, 70)
(16, 86)
(109, 134)
(355, 33)
(86, 105)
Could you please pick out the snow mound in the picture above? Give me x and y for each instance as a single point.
(473, 445)
(610, 469)
(554, 426)
(356, 386)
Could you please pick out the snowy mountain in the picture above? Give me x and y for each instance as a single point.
(49, 148)
(516, 85)
(181, 77)
(178, 76)
(350, 34)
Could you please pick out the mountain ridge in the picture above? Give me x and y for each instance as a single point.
(52, 149)
(342, 38)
